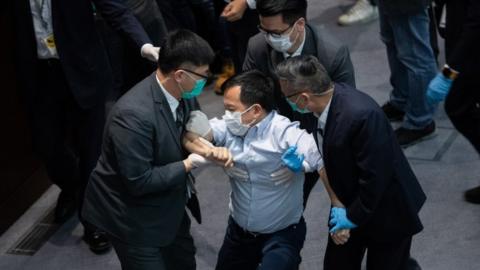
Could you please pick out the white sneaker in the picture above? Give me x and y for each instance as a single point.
(363, 11)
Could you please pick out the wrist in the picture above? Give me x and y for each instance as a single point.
(188, 165)
(449, 72)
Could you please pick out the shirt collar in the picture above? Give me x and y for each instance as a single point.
(299, 49)
(172, 101)
(322, 120)
(262, 126)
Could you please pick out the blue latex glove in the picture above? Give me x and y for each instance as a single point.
(292, 159)
(438, 88)
(339, 220)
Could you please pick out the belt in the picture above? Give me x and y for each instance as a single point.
(246, 233)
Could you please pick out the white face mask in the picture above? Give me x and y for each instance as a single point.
(282, 43)
(233, 120)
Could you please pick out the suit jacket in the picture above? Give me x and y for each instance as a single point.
(367, 168)
(80, 50)
(137, 191)
(318, 42)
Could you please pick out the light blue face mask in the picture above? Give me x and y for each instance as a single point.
(196, 90)
(295, 106)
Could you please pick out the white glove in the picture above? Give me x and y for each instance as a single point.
(198, 161)
(282, 175)
(198, 123)
(237, 173)
(150, 52)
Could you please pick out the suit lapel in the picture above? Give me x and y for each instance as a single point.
(331, 121)
(310, 46)
(161, 104)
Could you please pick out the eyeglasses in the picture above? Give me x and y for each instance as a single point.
(275, 34)
(294, 94)
(206, 77)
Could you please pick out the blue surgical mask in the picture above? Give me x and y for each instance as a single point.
(196, 90)
(295, 106)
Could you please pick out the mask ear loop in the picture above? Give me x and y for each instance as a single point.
(249, 108)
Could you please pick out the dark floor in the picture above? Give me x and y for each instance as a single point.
(445, 165)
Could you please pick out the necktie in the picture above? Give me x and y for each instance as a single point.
(180, 113)
(192, 200)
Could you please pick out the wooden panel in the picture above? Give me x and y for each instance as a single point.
(22, 182)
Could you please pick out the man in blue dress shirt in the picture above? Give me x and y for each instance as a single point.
(266, 229)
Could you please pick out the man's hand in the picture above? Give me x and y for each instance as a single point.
(438, 88)
(198, 123)
(221, 156)
(293, 160)
(194, 161)
(234, 10)
(150, 52)
(339, 220)
(340, 237)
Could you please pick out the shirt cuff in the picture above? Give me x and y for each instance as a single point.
(252, 4)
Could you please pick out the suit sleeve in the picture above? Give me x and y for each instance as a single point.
(342, 67)
(469, 40)
(131, 139)
(249, 62)
(372, 145)
(123, 20)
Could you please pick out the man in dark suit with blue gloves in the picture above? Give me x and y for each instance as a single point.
(64, 74)
(365, 166)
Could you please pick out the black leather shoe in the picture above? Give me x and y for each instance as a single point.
(97, 241)
(473, 195)
(407, 137)
(66, 206)
(393, 114)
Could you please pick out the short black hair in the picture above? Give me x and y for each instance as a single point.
(291, 10)
(183, 47)
(255, 87)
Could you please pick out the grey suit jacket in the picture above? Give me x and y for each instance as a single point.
(334, 56)
(137, 191)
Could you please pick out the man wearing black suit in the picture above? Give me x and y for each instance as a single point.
(139, 188)
(461, 73)
(365, 165)
(284, 33)
(64, 74)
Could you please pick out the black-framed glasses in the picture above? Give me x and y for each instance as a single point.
(206, 77)
(294, 94)
(274, 33)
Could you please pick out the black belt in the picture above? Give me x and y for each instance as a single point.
(249, 234)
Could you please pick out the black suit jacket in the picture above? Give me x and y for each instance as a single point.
(318, 42)
(367, 168)
(137, 191)
(80, 50)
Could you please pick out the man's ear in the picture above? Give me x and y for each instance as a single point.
(177, 75)
(301, 24)
(303, 100)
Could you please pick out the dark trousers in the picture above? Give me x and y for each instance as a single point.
(463, 109)
(393, 255)
(242, 250)
(239, 33)
(66, 137)
(180, 255)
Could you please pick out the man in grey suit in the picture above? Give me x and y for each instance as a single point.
(141, 184)
(285, 33)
